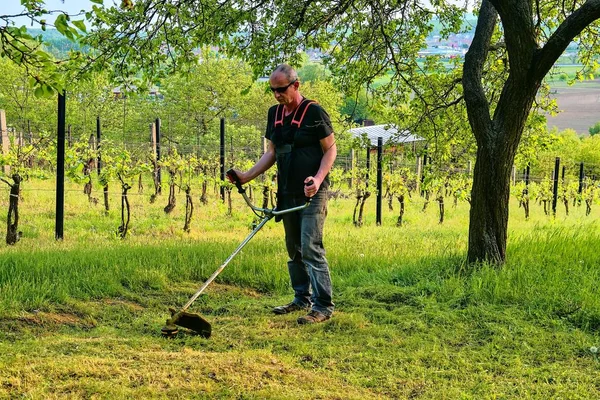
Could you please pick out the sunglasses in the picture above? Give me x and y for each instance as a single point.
(282, 89)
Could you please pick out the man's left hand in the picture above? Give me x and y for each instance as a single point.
(313, 188)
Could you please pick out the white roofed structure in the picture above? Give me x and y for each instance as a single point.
(388, 132)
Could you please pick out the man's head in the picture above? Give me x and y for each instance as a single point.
(284, 84)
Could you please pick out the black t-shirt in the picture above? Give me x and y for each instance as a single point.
(303, 158)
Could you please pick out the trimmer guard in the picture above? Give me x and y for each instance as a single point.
(187, 320)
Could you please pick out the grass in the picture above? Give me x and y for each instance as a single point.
(81, 318)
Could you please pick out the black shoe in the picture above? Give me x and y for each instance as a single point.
(313, 317)
(288, 308)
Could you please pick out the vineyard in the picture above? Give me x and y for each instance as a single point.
(109, 173)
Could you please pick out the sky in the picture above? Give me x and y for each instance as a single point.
(13, 7)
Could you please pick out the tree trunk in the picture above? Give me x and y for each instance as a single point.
(125, 212)
(588, 206)
(12, 221)
(172, 200)
(426, 201)
(354, 214)
(229, 203)
(401, 215)
(362, 208)
(489, 207)
(203, 198)
(140, 184)
(189, 209)
(440, 200)
(106, 203)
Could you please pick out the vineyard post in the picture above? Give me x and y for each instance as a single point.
(581, 176)
(423, 171)
(514, 175)
(379, 178)
(419, 171)
(352, 167)
(222, 158)
(555, 185)
(60, 168)
(231, 150)
(19, 139)
(69, 137)
(98, 139)
(29, 135)
(158, 169)
(152, 139)
(527, 172)
(92, 144)
(4, 138)
(368, 166)
(469, 168)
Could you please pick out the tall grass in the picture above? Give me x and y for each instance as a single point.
(551, 269)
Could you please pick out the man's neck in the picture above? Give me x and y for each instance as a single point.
(289, 108)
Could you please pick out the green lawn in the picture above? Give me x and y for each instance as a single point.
(81, 318)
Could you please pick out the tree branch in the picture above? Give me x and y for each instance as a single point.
(564, 34)
(478, 107)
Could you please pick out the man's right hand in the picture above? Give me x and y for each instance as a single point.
(241, 176)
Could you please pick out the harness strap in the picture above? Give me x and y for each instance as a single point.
(279, 115)
(300, 110)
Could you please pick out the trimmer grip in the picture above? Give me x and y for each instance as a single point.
(309, 199)
(231, 173)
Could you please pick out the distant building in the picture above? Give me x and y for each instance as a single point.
(389, 134)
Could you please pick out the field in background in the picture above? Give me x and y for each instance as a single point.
(579, 104)
(81, 318)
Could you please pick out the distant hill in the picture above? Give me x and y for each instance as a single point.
(59, 45)
(468, 25)
(54, 42)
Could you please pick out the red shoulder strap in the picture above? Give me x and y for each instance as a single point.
(301, 111)
(279, 115)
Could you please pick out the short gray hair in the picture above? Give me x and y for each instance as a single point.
(287, 70)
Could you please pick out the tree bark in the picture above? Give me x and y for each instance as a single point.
(189, 209)
(106, 202)
(125, 211)
(401, 215)
(489, 208)
(12, 220)
(498, 138)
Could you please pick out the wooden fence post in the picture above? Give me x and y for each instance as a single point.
(153, 138)
(92, 144)
(555, 185)
(352, 168)
(379, 179)
(4, 138)
(419, 172)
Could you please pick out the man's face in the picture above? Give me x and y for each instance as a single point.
(283, 90)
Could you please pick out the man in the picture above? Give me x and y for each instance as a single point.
(301, 141)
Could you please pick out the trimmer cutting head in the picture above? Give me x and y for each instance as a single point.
(187, 320)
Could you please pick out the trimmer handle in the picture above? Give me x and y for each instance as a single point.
(233, 175)
(309, 199)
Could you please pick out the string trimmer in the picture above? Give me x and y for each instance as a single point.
(194, 321)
